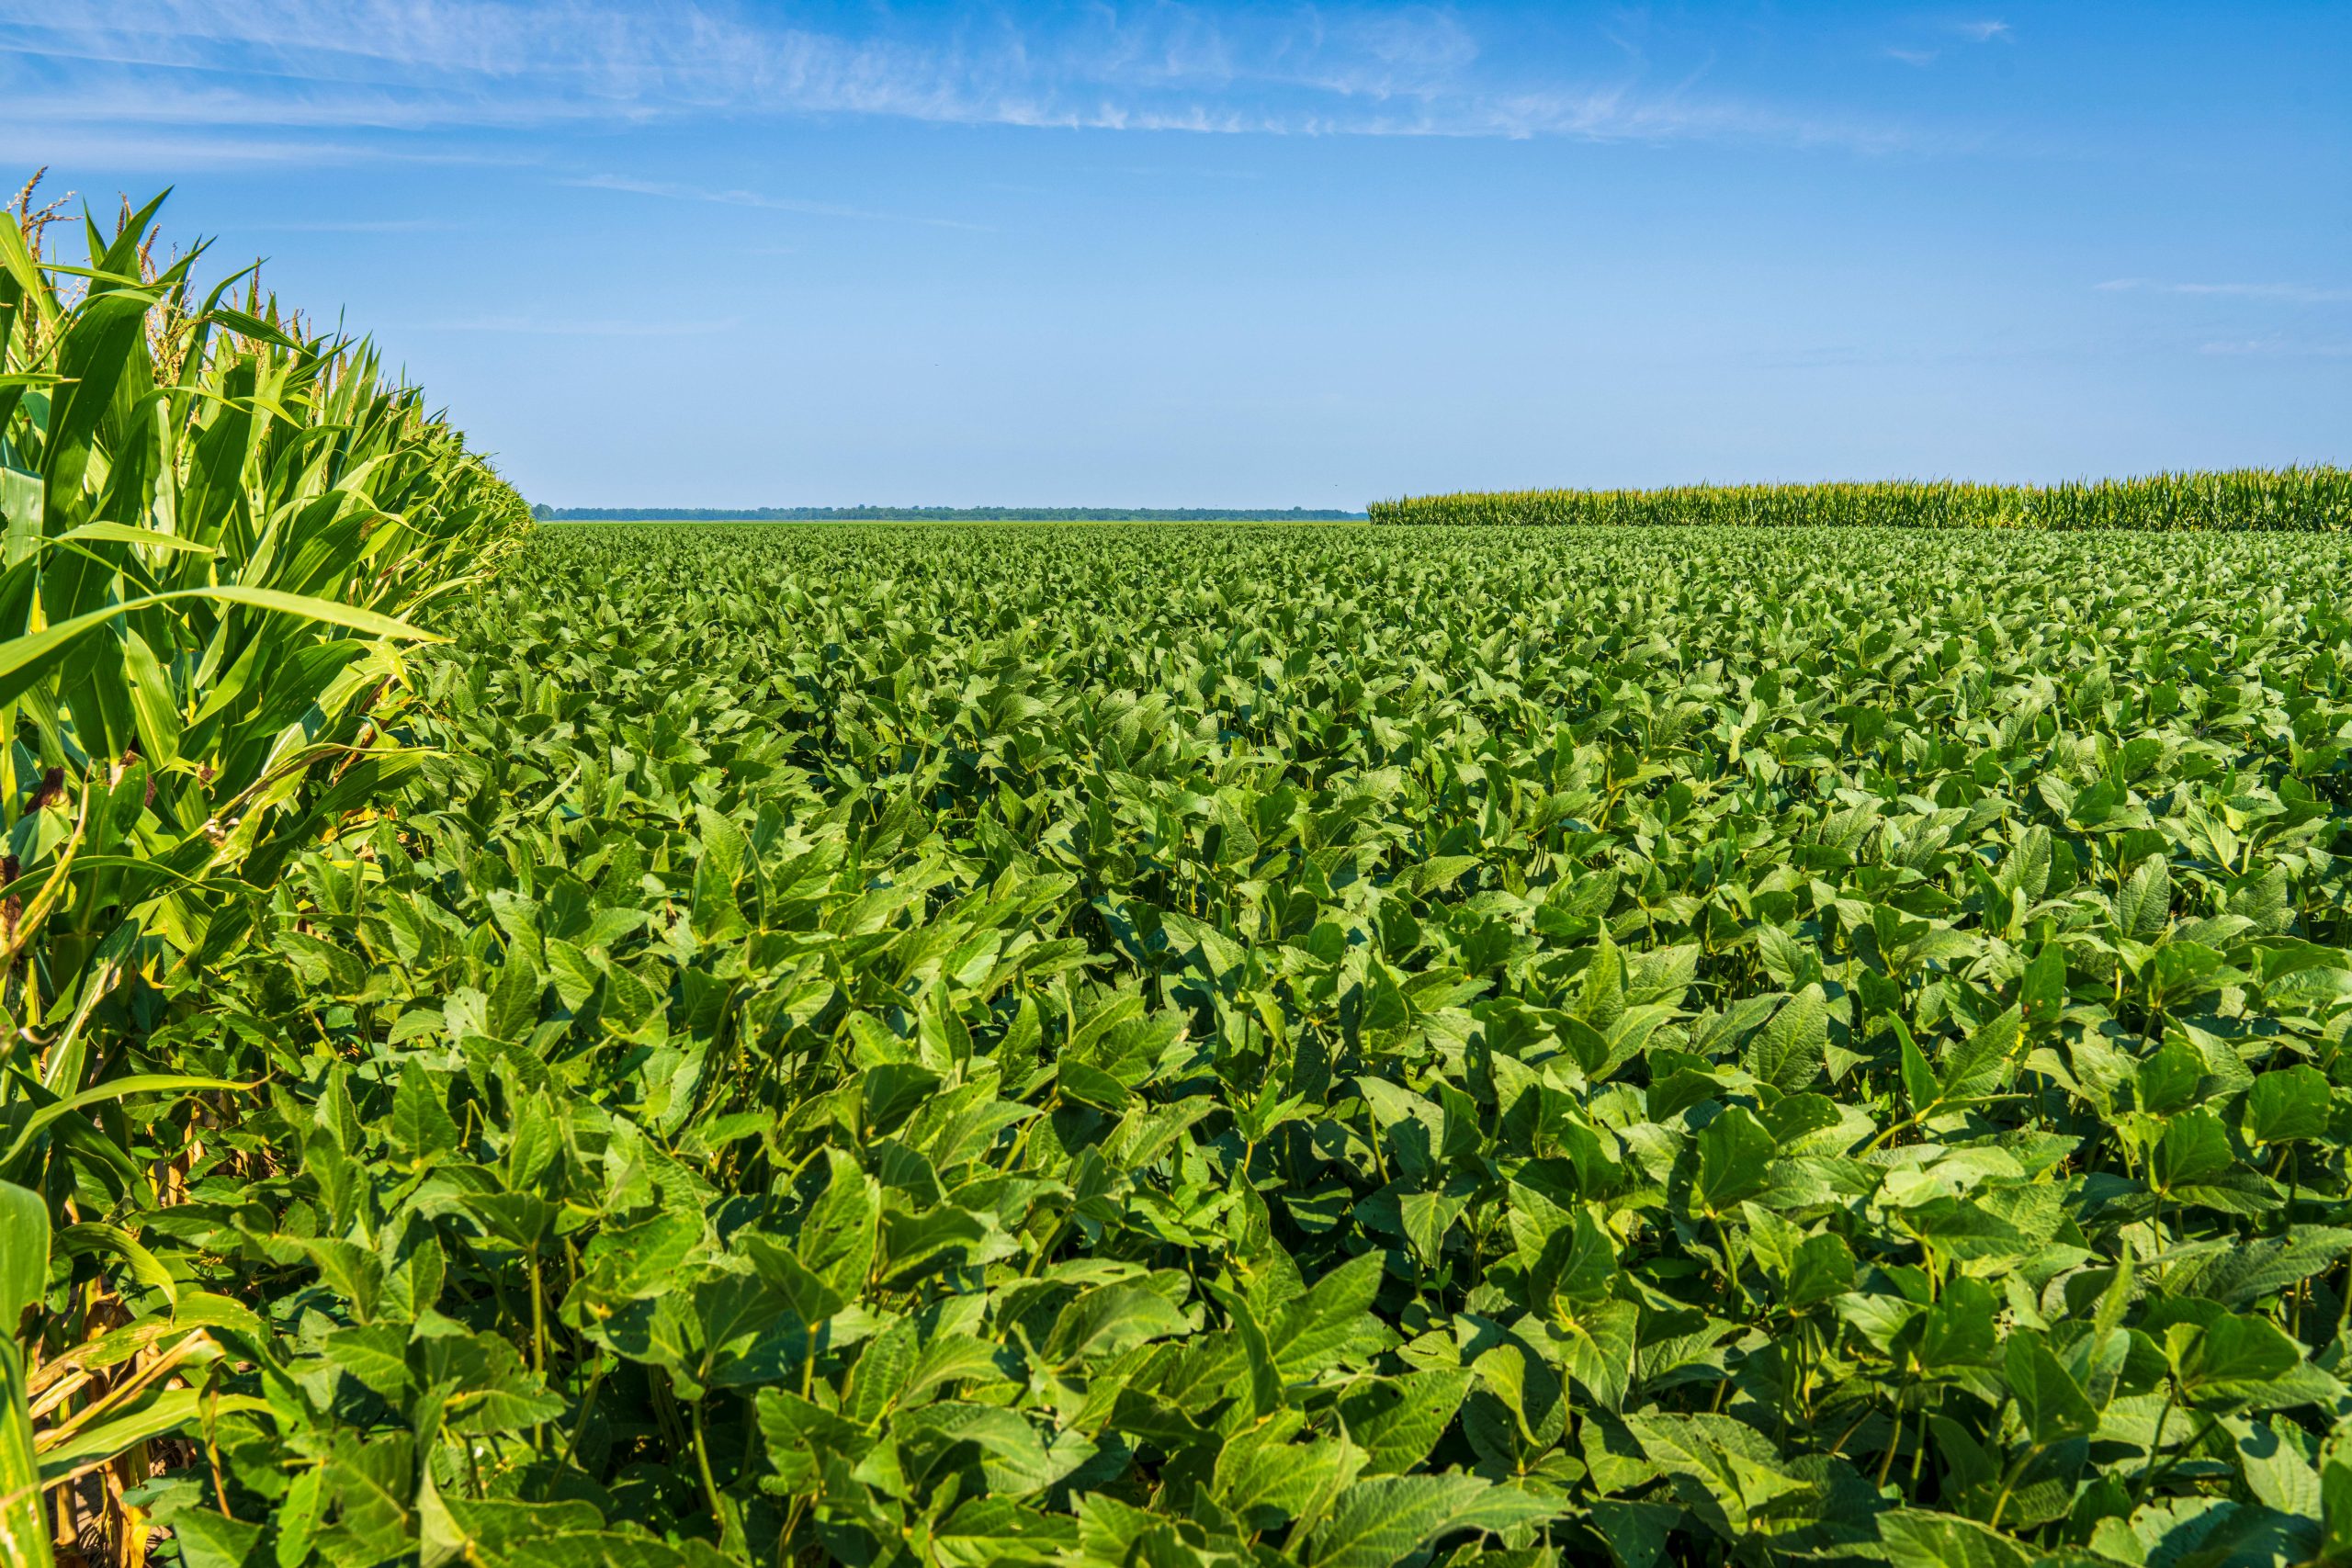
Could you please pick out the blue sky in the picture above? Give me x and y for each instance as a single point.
(1220, 254)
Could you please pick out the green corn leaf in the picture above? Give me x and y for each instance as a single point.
(24, 1253)
(24, 1523)
(143, 1420)
(40, 1120)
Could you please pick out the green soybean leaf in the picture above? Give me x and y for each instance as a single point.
(1381, 1522)
(2051, 1404)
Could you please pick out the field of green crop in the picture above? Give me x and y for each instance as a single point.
(1106, 1046)
(2316, 499)
(990, 1045)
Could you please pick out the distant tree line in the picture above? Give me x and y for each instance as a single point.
(939, 515)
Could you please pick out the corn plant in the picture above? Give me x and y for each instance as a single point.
(2294, 500)
(214, 531)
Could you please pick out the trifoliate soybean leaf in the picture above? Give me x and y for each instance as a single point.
(2320, 989)
(1112, 1534)
(951, 1359)
(837, 1237)
(533, 1144)
(2216, 1530)
(2195, 1150)
(1635, 1534)
(2041, 990)
(1565, 1257)
(2230, 1361)
(1734, 1151)
(2335, 1492)
(2182, 971)
(799, 1434)
(1787, 960)
(1794, 1118)
(1920, 1085)
(1728, 1474)
(1308, 1335)
(2290, 1104)
(1787, 1052)
(1916, 1539)
(297, 1517)
(1108, 1320)
(2142, 904)
(1012, 1456)
(610, 1548)
(641, 1258)
(1600, 991)
(1822, 1269)
(376, 1357)
(1958, 1328)
(941, 1238)
(2051, 1403)
(1957, 1229)
(1596, 1345)
(2168, 1078)
(492, 1525)
(799, 1289)
(1426, 1217)
(421, 1125)
(1087, 1085)
(1519, 1406)
(521, 1220)
(2239, 1276)
(1000, 1530)
(892, 1092)
(1266, 1479)
(208, 1538)
(1979, 1065)
(1397, 1421)
(2277, 1460)
(1381, 1522)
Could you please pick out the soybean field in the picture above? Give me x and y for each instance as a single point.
(1338, 1045)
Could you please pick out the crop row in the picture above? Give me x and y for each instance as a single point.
(2292, 499)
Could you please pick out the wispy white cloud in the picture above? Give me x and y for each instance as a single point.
(1921, 51)
(530, 326)
(273, 70)
(2278, 347)
(355, 226)
(1630, 115)
(2287, 293)
(29, 144)
(675, 191)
